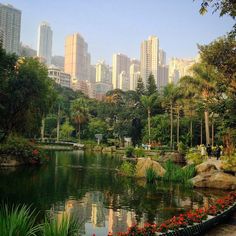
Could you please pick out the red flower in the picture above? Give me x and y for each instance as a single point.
(35, 152)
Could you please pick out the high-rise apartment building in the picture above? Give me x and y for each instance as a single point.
(77, 58)
(1, 37)
(10, 24)
(44, 45)
(162, 57)
(149, 58)
(120, 63)
(134, 73)
(103, 72)
(162, 75)
(179, 68)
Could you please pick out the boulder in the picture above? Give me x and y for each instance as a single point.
(146, 163)
(205, 167)
(215, 179)
(109, 149)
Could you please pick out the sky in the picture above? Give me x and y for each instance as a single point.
(119, 26)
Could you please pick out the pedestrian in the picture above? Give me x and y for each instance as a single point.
(209, 150)
(218, 152)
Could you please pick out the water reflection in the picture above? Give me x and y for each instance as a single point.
(87, 186)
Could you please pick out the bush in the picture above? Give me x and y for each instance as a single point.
(139, 152)
(151, 175)
(129, 151)
(182, 148)
(194, 157)
(229, 162)
(127, 168)
(23, 149)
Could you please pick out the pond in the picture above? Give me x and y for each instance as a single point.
(88, 186)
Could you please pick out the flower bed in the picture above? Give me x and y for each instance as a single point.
(194, 222)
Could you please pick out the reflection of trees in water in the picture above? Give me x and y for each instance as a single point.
(57, 181)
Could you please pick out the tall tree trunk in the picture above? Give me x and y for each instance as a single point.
(79, 132)
(201, 133)
(149, 126)
(171, 125)
(206, 113)
(58, 122)
(177, 126)
(212, 132)
(191, 129)
(42, 129)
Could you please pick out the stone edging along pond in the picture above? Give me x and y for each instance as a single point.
(195, 222)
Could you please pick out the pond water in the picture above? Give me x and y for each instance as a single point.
(87, 185)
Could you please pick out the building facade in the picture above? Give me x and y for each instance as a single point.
(59, 76)
(44, 45)
(10, 25)
(77, 58)
(103, 72)
(134, 73)
(149, 58)
(120, 63)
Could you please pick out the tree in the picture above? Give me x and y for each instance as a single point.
(79, 113)
(66, 130)
(140, 89)
(147, 102)
(151, 85)
(170, 96)
(203, 83)
(97, 126)
(26, 94)
(225, 7)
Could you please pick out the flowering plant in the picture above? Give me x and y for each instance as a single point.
(183, 220)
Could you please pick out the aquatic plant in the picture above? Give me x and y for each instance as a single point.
(17, 221)
(150, 175)
(127, 168)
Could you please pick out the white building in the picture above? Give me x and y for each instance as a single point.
(179, 67)
(103, 72)
(10, 24)
(44, 45)
(120, 62)
(149, 58)
(134, 73)
(124, 82)
(162, 74)
(59, 76)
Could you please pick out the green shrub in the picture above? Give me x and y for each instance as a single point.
(151, 175)
(229, 162)
(194, 157)
(129, 151)
(65, 227)
(182, 148)
(127, 168)
(139, 152)
(17, 220)
(22, 148)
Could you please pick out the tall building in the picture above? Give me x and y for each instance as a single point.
(77, 58)
(134, 73)
(120, 63)
(162, 74)
(92, 73)
(179, 67)
(149, 58)
(103, 73)
(162, 57)
(44, 46)
(10, 24)
(1, 37)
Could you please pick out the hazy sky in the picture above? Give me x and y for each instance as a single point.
(112, 26)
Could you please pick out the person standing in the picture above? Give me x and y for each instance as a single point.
(209, 150)
(218, 152)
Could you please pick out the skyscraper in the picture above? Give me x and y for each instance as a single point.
(120, 63)
(162, 57)
(44, 47)
(103, 73)
(149, 58)
(10, 24)
(134, 73)
(77, 58)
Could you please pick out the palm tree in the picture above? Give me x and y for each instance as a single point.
(170, 96)
(203, 85)
(79, 113)
(148, 102)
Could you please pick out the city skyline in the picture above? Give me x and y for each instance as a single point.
(178, 26)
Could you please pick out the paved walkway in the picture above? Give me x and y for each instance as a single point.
(226, 229)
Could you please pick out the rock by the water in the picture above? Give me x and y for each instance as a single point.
(109, 149)
(146, 163)
(205, 167)
(215, 179)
